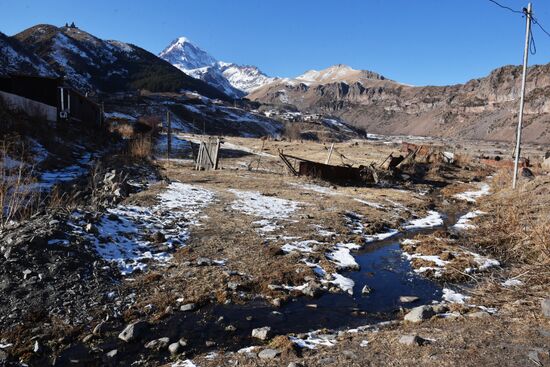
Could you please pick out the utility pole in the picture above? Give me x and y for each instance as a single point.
(169, 128)
(528, 13)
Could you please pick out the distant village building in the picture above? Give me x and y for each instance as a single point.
(49, 98)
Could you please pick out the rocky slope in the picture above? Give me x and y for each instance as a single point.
(234, 80)
(484, 108)
(95, 65)
(15, 58)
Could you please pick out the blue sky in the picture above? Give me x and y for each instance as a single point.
(420, 42)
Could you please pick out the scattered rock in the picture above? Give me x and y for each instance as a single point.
(439, 308)
(203, 261)
(313, 289)
(158, 344)
(412, 340)
(295, 364)
(158, 237)
(261, 333)
(269, 354)
(188, 307)
(99, 329)
(87, 338)
(230, 328)
(366, 290)
(113, 353)
(210, 343)
(183, 342)
(174, 348)
(545, 306)
(408, 299)
(419, 314)
(134, 331)
(478, 314)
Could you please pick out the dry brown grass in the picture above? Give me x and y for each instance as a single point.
(18, 199)
(140, 147)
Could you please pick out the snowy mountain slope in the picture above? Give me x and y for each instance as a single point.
(95, 65)
(15, 58)
(233, 79)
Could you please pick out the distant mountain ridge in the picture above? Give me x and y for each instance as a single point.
(484, 108)
(234, 80)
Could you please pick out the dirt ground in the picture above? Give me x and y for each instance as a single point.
(264, 234)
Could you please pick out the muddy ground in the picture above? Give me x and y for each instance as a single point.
(207, 255)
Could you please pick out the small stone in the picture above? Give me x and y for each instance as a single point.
(295, 364)
(174, 348)
(412, 340)
(90, 228)
(312, 289)
(419, 314)
(26, 273)
(210, 343)
(233, 285)
(158, 344)
(188, 307)
(113, 353)
(478, 314)
(366, 290)
(439, 308)
(545, 306)
(134, 331)
(87, 338)
(261, 333)
(183, 342)
(99, 328)
(408, 299)
(36, 348)
(269, 354)
(203, 261)
(230, 328)
(158, 237)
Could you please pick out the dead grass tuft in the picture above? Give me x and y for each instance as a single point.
(140, 147)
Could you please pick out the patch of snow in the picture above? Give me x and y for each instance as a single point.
(120, 116)
(381, 236)
(453, 297)
(433, 219)
(463, 222)
(300, 246)
(342, 257)
(314, 339)
(123, 233)
(512, 283)
(316, 188)
(345, 284)
(483, 263)
(472, 196)
(256, 204)
(369, 203)
(185, 363)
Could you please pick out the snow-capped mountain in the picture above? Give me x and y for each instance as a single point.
(91, 64)
(232, 79)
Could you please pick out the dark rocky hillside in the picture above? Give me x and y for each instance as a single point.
(95, 65)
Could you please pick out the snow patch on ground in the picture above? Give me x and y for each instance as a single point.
(314, 339)
(300, 246)
(463, 222)
(472, 196)
(268, 207)
(433, 219)
(370, 203)
(123, 235)
(341, 256)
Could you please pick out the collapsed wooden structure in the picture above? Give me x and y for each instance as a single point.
(207, 157)
(303, 167)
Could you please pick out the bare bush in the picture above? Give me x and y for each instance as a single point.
(292, 131)
(18, 196)
(140, 147)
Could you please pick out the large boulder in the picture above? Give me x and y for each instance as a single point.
(419, 314)
(134, 331)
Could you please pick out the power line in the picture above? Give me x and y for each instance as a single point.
(540, 26)
(506, 7)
